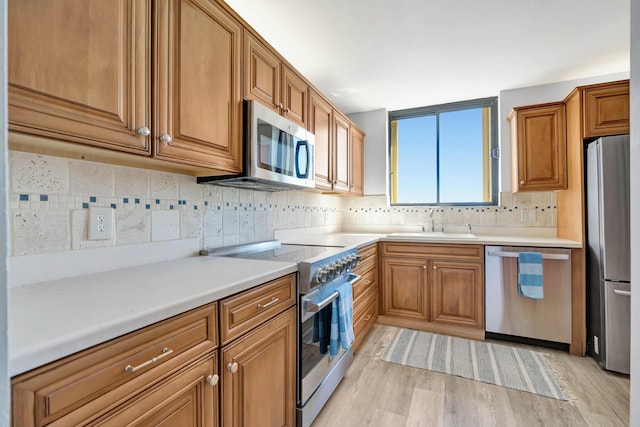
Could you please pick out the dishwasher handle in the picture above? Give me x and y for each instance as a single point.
(562, 257)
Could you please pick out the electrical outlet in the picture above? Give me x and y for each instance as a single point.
(100, 223)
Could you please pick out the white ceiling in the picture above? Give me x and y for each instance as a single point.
(395, 54)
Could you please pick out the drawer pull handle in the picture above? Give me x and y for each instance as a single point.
(233, 367)
(213, 380)
(165, 352)
(367, 317)
(270, 303)
(367, 282)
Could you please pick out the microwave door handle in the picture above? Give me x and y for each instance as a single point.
(308, 163)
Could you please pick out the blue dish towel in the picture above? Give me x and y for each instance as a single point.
(342, 320)
(530, 275)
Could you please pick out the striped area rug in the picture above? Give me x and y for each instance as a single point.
(507, 366)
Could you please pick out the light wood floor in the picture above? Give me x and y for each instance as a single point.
(377, 393)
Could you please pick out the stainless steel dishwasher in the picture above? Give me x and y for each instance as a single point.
(508, 313)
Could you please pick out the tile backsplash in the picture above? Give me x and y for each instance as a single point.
(49, 199)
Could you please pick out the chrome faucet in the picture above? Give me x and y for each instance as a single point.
(433, 224)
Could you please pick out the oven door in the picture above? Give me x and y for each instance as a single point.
(315, 359)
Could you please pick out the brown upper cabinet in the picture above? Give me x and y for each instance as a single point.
(114, 75)
(538, 148)
(79, 71)
(357, 161)
(269, 80)
(606, 109)
(339, 149)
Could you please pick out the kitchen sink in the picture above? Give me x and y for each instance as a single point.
(437, 235)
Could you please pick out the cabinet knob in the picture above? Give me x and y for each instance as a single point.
(522, 182)
(144, 131)
(367, 317)
(435, 268)
(213, 380)
(166, 138)
(424, 266)
(233, 367)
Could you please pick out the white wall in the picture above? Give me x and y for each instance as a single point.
(634, 419)
(376, 169)
(4, 364)
(552, 92)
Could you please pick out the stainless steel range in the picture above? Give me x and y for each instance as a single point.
(321, 270)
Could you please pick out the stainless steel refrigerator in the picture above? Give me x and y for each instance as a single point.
(608, 252)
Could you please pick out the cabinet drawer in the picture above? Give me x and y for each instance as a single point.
(368, 253)
(439, 250)
(109, 373)
(363, 286)
(366, 317)
(245, 311)
(365, 266)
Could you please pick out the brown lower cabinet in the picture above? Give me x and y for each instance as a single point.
(168, 373)
(259, 374)
(433, 287)
(365, 293)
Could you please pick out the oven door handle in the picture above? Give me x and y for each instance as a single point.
(312, 307)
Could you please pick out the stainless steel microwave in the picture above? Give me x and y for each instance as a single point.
(278, 154)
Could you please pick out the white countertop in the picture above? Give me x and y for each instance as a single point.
(54, 319)
(363, 239)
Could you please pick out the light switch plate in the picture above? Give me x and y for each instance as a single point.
(100, 223)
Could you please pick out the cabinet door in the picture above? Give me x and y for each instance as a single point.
(198, 99)
(259, 374)
(295, 94)
(457, 293)
(404, 288)
(357, 162)
(539, 148)
(320, 121)
(342, 156)
(606, 110)
(79, 71)
(187, 399)
(262, 73)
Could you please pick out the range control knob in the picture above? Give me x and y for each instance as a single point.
(321, 276)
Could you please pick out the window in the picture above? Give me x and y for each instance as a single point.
(445, 154)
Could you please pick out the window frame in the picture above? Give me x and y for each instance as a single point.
(494, 151)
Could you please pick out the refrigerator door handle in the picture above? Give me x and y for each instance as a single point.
(623, 293)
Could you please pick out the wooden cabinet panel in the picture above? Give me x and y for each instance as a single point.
(405, 288)
(197, 90)
(342, 155)
(242, 312)
(457, 295)
(83, 385)
(262, 390)
(606, 109)
(320, 124)
(433, 287)
(364, 318)
(184, 400)
(261, 73)
(362, 287)
(357, 162)
(437, 250)
(295, 97)
(270, 81)
(79, 71)
(538, 148)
